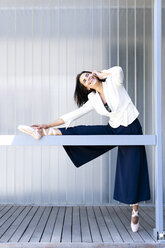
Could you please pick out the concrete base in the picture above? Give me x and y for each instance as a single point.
(82, 245)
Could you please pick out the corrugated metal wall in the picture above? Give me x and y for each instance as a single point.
(43, 45)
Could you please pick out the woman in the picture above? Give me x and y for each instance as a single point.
(104, 91)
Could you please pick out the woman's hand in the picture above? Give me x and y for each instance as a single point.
(101, 75)
(45, 126)
(98, 74)
(55, 123)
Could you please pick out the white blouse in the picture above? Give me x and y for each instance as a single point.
(123, 111)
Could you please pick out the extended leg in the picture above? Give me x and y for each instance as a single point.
(83, 154)
(50, 131)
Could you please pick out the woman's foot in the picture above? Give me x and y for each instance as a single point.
(34, 132)
(38, 133)
(135, 218)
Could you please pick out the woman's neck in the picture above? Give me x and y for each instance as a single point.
(99, 88)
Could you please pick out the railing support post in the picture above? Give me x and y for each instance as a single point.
(158, 231)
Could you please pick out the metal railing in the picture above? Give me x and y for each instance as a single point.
(118, 140)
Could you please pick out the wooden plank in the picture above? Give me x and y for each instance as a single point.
(149, 211)
(57, 232)
(10, 220)
(27, 140)
(111, 226)
(143, 229)
(119, 225)
(37, 235)
(10, 231)
(147, 217)
(8, 211)
(149, 230)
(86, 235)
(135, 235)
(2, 207)
(66, 234)
(76, 232)
(95, 232)
(4, 210)
(153, 211)
(47, 234)
(106, 237)
(31, 227)
(142, 232)
(20, 224)
(21, 229)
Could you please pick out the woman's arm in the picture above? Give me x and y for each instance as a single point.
(69, 117)
(116, 73)
(75, 114)
(55, 123)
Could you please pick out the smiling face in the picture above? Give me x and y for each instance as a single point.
(88, 80)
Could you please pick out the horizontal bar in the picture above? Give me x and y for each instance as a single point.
(74, 140)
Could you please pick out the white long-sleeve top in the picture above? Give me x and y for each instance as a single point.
(123, 111)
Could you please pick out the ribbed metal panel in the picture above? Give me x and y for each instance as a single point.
(43, 45)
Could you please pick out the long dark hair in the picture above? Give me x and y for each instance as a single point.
(81, 93)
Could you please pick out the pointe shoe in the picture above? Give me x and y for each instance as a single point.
(31, 131)
(134, 227)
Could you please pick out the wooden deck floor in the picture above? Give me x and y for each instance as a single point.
(84, 226)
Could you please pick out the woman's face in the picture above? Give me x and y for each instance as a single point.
(88, 80)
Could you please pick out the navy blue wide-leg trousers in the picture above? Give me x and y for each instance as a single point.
(131, 179)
